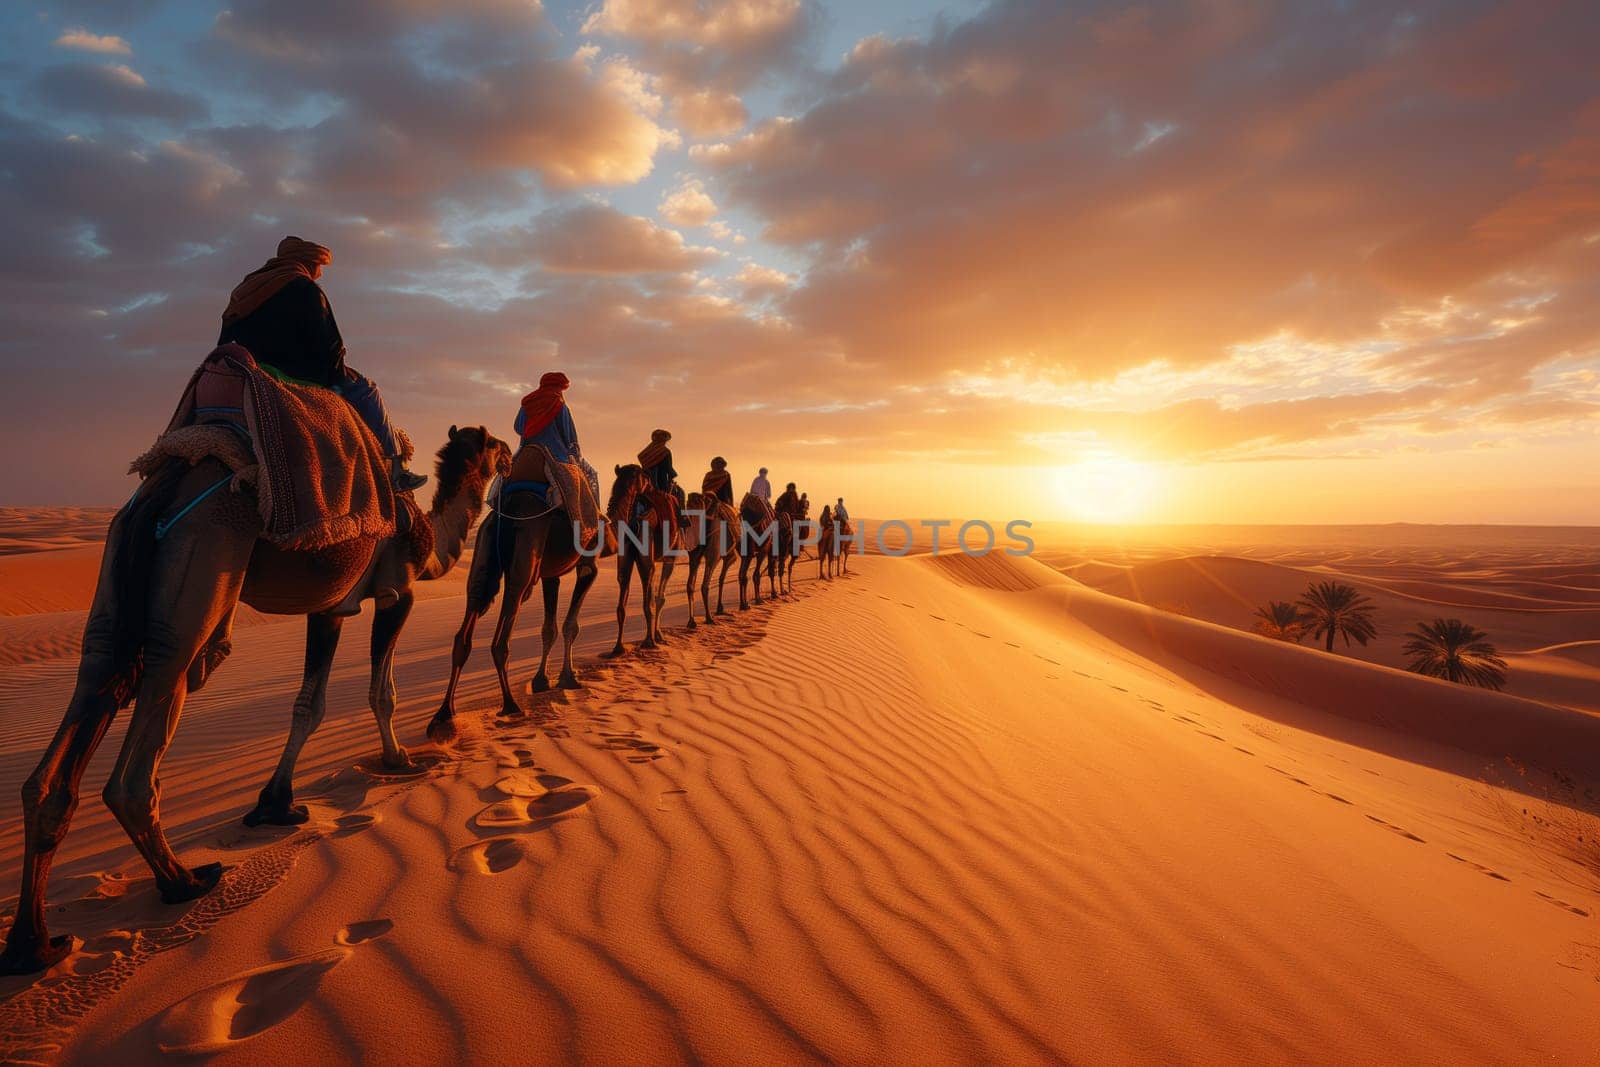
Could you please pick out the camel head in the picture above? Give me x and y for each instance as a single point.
(630, 483)
(468, 462)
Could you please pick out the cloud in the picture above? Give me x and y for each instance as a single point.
(705, 52)
(595, 239)
(84, 41)
(688, 205)
(759, 281)
(112, 91)
(709, 112)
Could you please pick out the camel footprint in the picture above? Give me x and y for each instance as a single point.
(639, 750)
(219, 1017)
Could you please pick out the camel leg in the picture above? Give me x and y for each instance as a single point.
(647, 576)
(624, 579)
(197, 585)
(551, 587)
(442, 727)
(722, 579)
(386, 626)
(570, 626)
(661, 596)
(519, 578)
(744, 571)
(50, 795)
(688, 586)
(276, 806)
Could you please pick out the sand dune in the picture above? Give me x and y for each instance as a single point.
(1227, 590)
(945, 811)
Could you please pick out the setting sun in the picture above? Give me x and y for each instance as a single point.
(1108, 489)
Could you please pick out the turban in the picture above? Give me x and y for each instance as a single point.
(295, 259)
(540, 407)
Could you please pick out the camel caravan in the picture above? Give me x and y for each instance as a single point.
(281, 484)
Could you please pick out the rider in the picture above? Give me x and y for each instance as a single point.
(761, 489)
(840, 515)
(789, 501)
(656, 459)
(282, 316)
(545, 418)
(805, 505)
(718, 482)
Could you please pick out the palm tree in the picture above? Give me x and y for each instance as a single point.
(1282, 620)
(1337, 609)
(1457, 652)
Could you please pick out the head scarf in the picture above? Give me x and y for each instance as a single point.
(295, 259)
(716, 477)
(656, 451)
(540, 407)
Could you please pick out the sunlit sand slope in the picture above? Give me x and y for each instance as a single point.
(942, 811)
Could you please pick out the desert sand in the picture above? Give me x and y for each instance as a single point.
(945, 810)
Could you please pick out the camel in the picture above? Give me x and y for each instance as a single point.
(191, 574)
(710, 537)
(788, 551)
(756, 540)
(826, 546)
(527, 541)
(646, 521)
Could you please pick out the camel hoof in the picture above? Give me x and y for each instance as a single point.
(201, 881)
(511, 711)
(692, 625)
(568, 680)
(442, 728)
(540, 684)
(722, 611)
(36, 958)
(614, 653)
(648, 644)
(400, 762)
(264, 813)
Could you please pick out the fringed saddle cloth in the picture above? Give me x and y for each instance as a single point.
(566, 485)
(754, 505)
(320, 475)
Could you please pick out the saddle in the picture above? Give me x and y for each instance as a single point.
(753, 506)
(562, 485)
(320, 475)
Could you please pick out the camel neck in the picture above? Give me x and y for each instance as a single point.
(450, 526)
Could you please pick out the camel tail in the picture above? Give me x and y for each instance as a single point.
(491, 555)
(131, 548)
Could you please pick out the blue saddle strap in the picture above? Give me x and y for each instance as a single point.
(163, 528)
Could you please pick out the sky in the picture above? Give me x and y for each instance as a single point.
(1204, 261)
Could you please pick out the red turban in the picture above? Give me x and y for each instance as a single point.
(540, 407)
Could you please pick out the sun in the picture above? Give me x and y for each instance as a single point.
(1108, 488)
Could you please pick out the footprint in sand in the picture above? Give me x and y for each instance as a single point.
(1563, 905)
(345, 825)
(1407, 834)
(221, 1016)
(491, 856)
(671, 800)
(362, 932)
(639, 750)
(529, 811)
(1480, 868)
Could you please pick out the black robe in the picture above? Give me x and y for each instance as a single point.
(293, 332)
